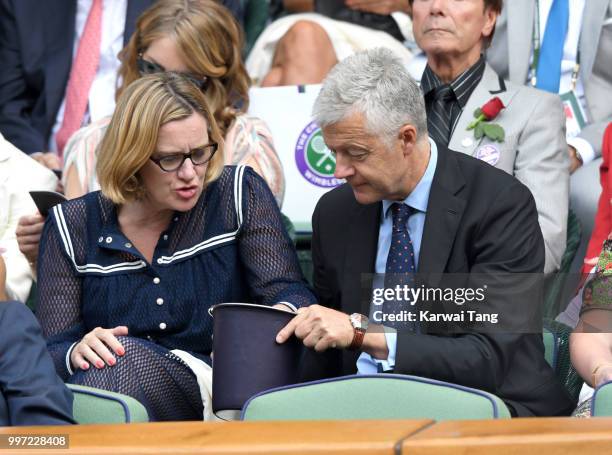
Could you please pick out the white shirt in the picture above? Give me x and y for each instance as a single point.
(102, 92)
(570, 51)
(19, 174)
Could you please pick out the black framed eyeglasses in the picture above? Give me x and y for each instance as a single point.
(199, 156)
(146, 67)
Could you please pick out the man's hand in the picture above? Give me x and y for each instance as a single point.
(320, 328)
(575, 160)
(95, 348)
(28, 234)
(48, 159)
(384, 7)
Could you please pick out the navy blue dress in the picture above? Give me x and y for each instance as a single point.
(231, 247)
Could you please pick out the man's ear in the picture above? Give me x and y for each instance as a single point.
(408, 138)
(490, 21)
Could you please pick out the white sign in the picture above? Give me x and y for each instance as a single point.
(307, 163)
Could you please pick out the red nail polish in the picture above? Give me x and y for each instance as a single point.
(85, 366)
(111, 362)
(100, 364)
(120, 351)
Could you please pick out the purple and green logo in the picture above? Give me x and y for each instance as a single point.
(314, 160)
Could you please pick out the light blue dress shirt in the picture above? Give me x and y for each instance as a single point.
(417, 199)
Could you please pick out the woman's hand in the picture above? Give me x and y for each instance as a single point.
(28, 234)
(384, 7)
(95, 348)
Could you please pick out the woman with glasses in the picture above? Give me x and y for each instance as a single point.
(127, 274)
(202, 40)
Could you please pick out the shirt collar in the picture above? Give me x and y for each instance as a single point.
(419, 197)
(462, 86)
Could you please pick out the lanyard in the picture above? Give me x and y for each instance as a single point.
(536, 51)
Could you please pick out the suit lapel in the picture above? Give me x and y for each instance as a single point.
(463, 140)
(444, 212)
(520, 38)
(362, 243)
(592, 23)
(59, 35)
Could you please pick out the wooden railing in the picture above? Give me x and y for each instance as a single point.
(541, 436)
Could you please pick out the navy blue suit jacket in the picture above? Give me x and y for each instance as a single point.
(31, 393)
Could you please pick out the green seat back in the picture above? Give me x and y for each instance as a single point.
(550, 347)
(93, 405)
(381, 396)
(256, 13)
(602, 401)
(558, 355)
(554, 298)
(289, 227)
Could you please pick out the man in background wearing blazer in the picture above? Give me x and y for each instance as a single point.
(588, 42)
(457, 81)
(409, 202)
(38, 42)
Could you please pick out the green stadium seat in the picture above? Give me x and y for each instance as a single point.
(380, 396)
(93, 405)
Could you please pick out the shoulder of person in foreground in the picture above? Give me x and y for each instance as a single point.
(29, 385)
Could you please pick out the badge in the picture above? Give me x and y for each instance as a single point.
(575, 118)
(488, 153)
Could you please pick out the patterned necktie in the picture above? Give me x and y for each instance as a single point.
(82, 74)
(439, 118)
(548, 75)
(401, 266)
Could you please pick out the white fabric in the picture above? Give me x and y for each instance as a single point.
(102, 92)
(203, 374)
(19, 174)
(346, 39)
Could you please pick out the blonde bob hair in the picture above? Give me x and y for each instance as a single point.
(131, 137)
(209, 41)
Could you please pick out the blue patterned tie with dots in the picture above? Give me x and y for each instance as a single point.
(401, 266)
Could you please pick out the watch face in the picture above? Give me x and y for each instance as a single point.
(359, 321)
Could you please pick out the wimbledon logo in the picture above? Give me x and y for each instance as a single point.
(314, 160)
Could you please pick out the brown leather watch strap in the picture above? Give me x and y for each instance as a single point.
(358, 335)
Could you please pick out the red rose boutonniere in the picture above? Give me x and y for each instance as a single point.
(485, 114)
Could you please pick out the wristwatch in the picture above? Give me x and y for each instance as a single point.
(360, 326)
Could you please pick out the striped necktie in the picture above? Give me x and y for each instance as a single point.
(439, 118)
(82, 75)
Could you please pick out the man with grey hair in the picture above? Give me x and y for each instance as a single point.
(412, 205)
